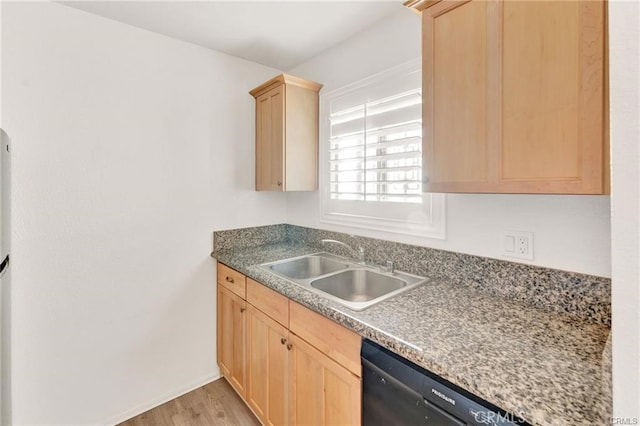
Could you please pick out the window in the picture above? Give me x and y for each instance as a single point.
(375, 149)
(371, 156)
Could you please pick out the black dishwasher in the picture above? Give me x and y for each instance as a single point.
(398, 392)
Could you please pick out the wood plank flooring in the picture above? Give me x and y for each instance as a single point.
(213, 404)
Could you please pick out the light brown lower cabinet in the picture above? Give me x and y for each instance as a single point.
(231, 338)
(267, 367)
(288, 379)
(322, 391)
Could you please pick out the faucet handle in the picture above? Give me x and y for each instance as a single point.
(361, 254)
(390, 266)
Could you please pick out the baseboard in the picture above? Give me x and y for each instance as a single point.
(141, 408)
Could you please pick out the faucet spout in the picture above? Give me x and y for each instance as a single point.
(359, 253)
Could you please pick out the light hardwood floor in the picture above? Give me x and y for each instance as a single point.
(213, 404)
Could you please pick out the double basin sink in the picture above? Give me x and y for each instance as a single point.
(352, 284)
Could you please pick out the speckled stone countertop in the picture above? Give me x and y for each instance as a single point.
(549, 368)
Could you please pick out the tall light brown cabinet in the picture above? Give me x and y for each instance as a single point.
(231, 339)
(287, 134)
(292, 366)
(514, 96)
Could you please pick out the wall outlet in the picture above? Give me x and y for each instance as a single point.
(517, 244)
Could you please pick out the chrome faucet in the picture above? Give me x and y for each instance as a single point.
(359, 253)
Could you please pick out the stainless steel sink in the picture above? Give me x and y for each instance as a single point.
(345, 281)
(358, 285)
(308, 267)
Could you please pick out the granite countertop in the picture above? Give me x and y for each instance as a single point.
(548, 368)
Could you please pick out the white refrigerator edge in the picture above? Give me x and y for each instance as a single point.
(5, 277)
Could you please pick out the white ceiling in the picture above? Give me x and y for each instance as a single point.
(280, 34)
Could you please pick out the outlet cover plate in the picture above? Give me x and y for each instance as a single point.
(517, 244)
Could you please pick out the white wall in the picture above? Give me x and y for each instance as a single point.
(624, 58)
(129, 149)
(570, 232)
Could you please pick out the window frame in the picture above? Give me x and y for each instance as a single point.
(426, 219)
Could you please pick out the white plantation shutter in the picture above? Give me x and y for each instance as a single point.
(371, 156)
(375, 142)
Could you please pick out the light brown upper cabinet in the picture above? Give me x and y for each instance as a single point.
(514, 96)
(287, 134)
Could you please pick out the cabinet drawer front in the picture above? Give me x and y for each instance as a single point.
(232, 280)
(335, 341)
(268, 301)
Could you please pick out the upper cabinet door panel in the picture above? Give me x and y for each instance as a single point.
(553, 96)
(277, 138)
(541, 91)
(455, 84)
(514, 96)
(270, 140)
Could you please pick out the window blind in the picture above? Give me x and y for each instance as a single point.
(375, 143)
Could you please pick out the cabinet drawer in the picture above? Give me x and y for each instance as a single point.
(268, 301)
(232, 280)
(335, 341)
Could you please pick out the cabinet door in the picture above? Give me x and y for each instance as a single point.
(513, 98)
(552, 97)
(266, 367)
(231, 338)
(457, 94)
(321, 391)
(270, 140)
